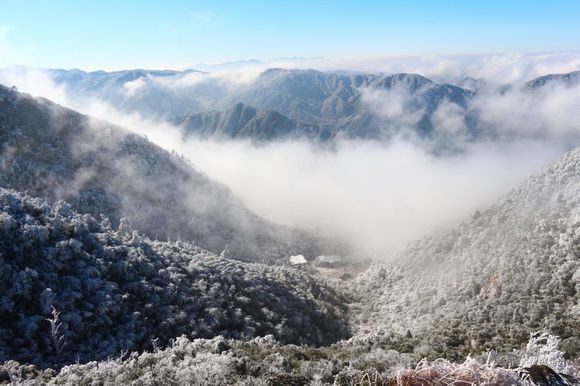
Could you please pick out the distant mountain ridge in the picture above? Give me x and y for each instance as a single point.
(241, 121)
(336, 103)
(568, 80)
(313, 95)
(310, 104)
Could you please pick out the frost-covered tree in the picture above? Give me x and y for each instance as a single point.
(73, 289)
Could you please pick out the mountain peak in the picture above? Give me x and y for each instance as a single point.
(568, 80)
(413, 82)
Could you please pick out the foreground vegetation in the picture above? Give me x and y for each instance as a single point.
(262, 361)
(74, 290)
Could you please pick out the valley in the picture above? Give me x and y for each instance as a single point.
(123, 247)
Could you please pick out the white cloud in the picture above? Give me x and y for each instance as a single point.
(392, 106)
(35, 82)
(133, 86)
(226, 78)
(375, 196)
(551, 111)
(449, 120)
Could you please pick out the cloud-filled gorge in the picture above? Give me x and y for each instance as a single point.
(377, 196)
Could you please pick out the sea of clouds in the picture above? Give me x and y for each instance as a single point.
(377, 196)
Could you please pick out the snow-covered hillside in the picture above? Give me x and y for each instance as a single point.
(72, 288)
(490, 281)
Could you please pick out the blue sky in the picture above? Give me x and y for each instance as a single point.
(108, 34)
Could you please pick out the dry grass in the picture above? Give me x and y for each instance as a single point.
(442, 372)
(437, 373)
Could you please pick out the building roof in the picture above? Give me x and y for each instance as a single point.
(297, 259)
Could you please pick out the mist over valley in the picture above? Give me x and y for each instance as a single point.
(347, 217)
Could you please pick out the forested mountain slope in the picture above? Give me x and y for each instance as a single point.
(350, 105)
(568, 80)
(72, 288)
(487, 283)
(56, 153)
(244, 122)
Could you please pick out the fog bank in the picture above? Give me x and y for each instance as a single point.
(377, 197)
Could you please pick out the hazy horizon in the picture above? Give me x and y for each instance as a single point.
(177, 34)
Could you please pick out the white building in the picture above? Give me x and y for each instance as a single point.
(297, 260)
